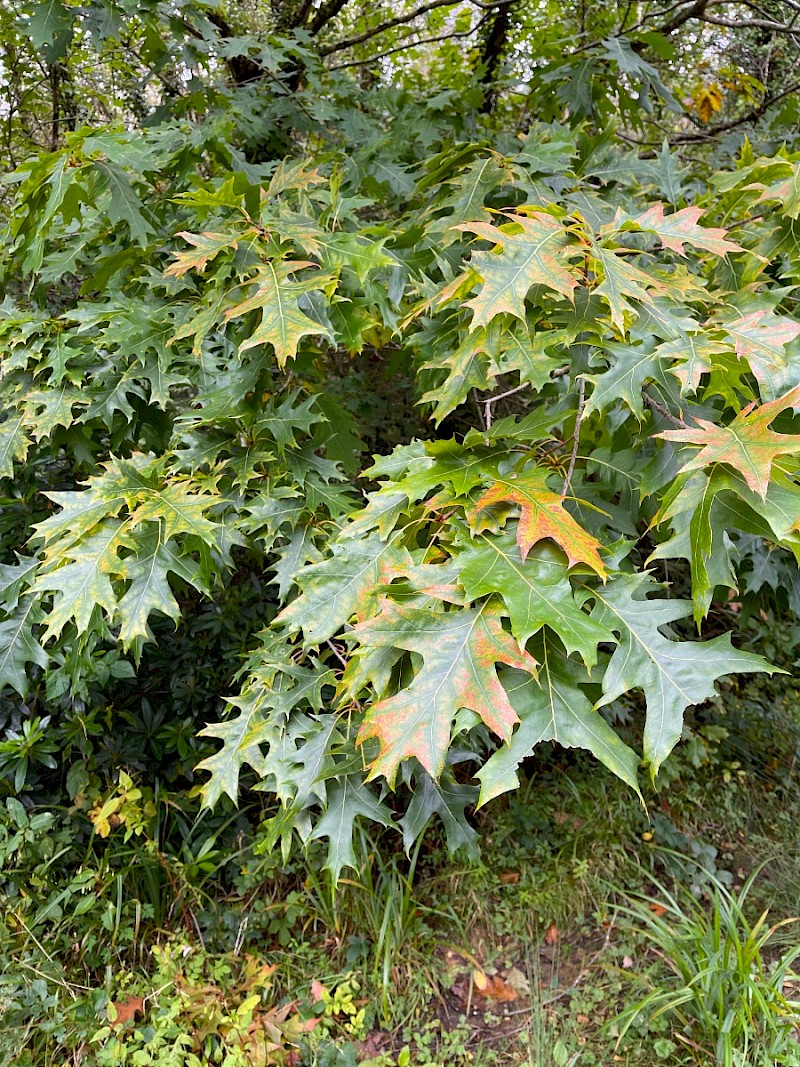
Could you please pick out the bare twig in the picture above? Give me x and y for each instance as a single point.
(575, 435)
(654, 404)
(400, 20)
(487, 403)
(336, 653)
(407, 43)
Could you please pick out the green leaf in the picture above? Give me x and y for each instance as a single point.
(125, 205)
(49, 27)
(554, 709)
(529, 251)
(448, 799)
(283, 324)
(459, 649)
(623, 280)
(630, 366)
(673, 674)
(83, 583)
(342, 587)
(348, 800)
(467, 367)
(265, 707)
(14, 443)
(150, 590)
(536, 592)
(19, 645)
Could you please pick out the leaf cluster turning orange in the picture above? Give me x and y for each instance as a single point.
(543, 515)
(747, 444)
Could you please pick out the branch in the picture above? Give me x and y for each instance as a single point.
(408, 43)
(744, 24)
(706, 135)
(654, 404)
(399, 20)
(487, 404)
(324, 15)
(751, 116)
(694, 11)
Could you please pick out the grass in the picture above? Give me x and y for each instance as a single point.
(546, 953)
(725, 990)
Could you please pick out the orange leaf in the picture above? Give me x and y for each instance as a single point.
(543, 515)
(746, 444)
(497, 989)
(123, 1012)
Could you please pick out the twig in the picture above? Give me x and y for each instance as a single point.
(487, 403)
(575, 435)
(336, 653)
(399, 20)
(654, 404)
(407, 43)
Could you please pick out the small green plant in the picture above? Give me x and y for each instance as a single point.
(726, 993)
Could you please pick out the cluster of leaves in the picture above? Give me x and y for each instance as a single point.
(605, 354)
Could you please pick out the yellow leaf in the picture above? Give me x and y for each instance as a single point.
(707, 100)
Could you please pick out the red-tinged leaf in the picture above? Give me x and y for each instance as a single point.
(681, 228)
(532, 251)
(747, 444)
(459, 651)
(498, 990)
(760, 338)
(542, 515)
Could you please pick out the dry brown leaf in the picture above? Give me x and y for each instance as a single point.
(123, 1012)
(553, 936)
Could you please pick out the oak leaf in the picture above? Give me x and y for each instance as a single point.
(543, 515)
(459, 651)
(532, 251)
(747, 443)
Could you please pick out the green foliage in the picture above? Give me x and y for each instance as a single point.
(591, 363)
